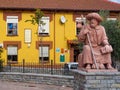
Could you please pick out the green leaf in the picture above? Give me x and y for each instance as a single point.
(35, 18)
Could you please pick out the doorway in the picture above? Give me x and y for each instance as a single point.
(74, 52)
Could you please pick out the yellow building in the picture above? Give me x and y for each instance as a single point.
(22, 40)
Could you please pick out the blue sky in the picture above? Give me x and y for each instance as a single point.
(118, 1)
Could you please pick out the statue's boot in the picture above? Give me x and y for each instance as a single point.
(109, 66)
(93, 66)
(101, 66)
(88, 66)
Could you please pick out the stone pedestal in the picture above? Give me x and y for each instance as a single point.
(109, 80)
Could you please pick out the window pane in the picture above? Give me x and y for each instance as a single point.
(12, 50)
(44, 58)
(28, 36)
(12, 57)
(12, 19)
(12, 28)
(114, 19)
(44, 53)
(12, 25)
(45, 27)
(77, 31)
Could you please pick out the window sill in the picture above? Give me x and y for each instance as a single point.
(12, 35)
(43, 35)
(12, 62)
(44, 62)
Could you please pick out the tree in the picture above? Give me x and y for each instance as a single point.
(1, 60)
(112, 28)
(36, 19)
(104, 14)
(113, 33)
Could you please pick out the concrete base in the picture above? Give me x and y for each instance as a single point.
(96, 80)
(99, 70)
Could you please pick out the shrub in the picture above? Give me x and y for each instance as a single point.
(113, 33)
(1, 65)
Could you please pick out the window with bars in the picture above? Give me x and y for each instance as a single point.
(12, 25)
(12, 53)
(44, 53)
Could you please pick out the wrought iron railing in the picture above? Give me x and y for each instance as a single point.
(41, 68)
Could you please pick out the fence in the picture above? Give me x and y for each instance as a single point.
(24, 67)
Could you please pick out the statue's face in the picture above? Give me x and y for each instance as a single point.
(79, 25)
(93, 23)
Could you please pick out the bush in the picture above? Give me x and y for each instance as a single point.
(1, 65)
(113, 33)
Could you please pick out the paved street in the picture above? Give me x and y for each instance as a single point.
(7, 85)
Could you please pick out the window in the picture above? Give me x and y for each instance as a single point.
(114, 19)
(44, 53)
(12, 25)
(28, 36)
(44, 29)
(79, 24)
(12, 53)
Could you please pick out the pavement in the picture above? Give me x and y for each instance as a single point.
(8, 85)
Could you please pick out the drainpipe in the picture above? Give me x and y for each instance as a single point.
(54, 38)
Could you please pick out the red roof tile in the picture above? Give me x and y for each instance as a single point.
(60, 4)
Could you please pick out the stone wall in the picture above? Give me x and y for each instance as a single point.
(38, 78)
(81, 80)
(96, 80)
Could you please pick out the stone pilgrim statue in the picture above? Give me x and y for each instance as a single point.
(96, 52)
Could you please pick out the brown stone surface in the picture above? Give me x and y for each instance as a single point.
(7, 85)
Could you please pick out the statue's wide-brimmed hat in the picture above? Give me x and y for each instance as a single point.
(95, 16)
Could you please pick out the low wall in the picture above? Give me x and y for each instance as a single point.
(38, 78)
(96, 80)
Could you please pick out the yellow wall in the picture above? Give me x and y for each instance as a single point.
(63, 33)
(59, 34)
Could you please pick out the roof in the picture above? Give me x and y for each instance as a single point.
(75, 5)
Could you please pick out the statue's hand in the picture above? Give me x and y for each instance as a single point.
(105, 42)
(85, 31)
(108, 48)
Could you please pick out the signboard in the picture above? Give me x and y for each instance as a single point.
(57, 49)
(62, 58)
